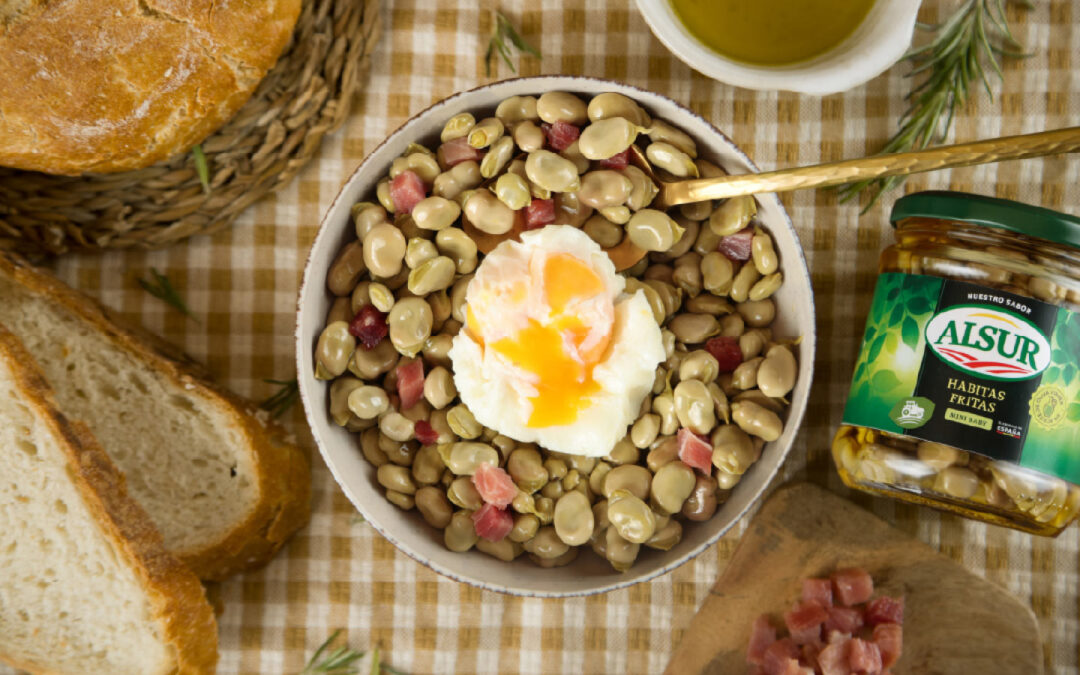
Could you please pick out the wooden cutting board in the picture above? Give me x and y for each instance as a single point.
(955, 623)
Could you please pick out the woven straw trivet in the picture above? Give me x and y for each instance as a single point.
(306, 95)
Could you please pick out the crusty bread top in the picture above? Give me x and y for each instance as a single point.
(112, 85)
(177, 601)
(278, 468)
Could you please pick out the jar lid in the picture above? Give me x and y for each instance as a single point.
(1033, 221)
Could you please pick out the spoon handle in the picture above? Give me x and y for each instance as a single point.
(852, 170)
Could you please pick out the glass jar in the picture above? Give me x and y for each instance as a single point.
(966, 393)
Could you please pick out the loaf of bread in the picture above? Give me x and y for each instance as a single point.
(86, 587)
(112, 85)
(216, 475)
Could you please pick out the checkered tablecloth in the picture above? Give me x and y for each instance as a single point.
(338, 573)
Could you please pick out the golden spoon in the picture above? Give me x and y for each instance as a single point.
(674, 193)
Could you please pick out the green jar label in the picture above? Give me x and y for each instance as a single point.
(981, 369)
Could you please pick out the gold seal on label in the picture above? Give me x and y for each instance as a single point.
(1048, 406)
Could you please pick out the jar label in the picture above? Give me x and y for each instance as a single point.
(980, 369)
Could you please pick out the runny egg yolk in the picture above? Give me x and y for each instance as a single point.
(561, 349)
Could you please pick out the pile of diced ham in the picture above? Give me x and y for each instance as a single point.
(853, 636)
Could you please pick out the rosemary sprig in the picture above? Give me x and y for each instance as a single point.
(340, 661)
(202, 167)
(502, 32)
(161, 288)
(964, 49)
(285, 397)
(337, 662)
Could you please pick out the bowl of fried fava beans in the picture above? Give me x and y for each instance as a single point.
(413, 472)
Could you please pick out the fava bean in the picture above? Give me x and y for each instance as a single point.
(333, 351)
(756, 420)
(603, 188)
(745, 374)
(776, 375)
(457, 179)
(423, 164)
(432, 276)
(663, 451)
(397, 478)
(618, 551)
(427, 466)
(732, 325)
(488, 214)
(699, 365)
(460, 535)
(653, 230)
(463, 458)
(733, 451)
(644, 431)
(340, 310)
(938, 456)
(528, 136)
(417, 252)
(702, 502)
(765, 286)
(606, 138)
(439, 389)
(435, 213)
(346, 269)
(573, 519)
(366, 215)
(504, 549)
(433, 506)
(526, 467)
(384, 250)
(462, 422)
(631, 517)
(410, 322)
(526, 525)
(368, 402)
(664, 405)
(396, 426)
(497, 157)
(671, 485)
(957, 481)
(551, 172)
(669, 158)
(694, 328)
(665, 538)
(604, 232)
(609, 104)
(694, 406)
(630, 478)
(663, 132)
(763, 254)
(642, 189)
(560, 106)
(369, 364)
(340, 389)
(486, 132)
(732, 215)
(463, 493)
(516, 109)
(707, 303)
(457, 126)
(758, 314)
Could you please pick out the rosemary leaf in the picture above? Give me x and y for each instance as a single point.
(503, 33)
(282, 400)
(161, 288)
(965, 48)
(202, 167)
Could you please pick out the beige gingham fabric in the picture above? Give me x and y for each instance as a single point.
(338, 573)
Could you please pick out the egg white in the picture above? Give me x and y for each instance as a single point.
(498, 394)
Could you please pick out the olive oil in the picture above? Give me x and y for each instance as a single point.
(771, 32)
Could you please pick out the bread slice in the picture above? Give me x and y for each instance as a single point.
(86, 586)
(215, 474)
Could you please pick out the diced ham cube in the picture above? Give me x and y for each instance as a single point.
(457, 151)
(492, 523)
(425, 433)
(560, 135)
(406, 191)
(804, 622)
(538, 213)
(695, 451)
(778, 654)
(889, 637)
(369, 326)
(884, 609)
(495, 486)
(844, 620)
(410, 382)
(737, 246)
(810, 653)
(617, 162)
(864, 657)
(817, 590)
(832, 660)
(852, 586)
(762, 634)
(726, 351)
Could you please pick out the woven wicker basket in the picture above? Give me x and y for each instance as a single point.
(304, 97)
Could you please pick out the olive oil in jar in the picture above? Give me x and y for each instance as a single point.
(771, 32)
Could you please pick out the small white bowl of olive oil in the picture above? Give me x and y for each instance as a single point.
(808, 46)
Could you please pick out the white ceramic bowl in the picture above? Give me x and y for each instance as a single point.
(873, 47)
(407, 530)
